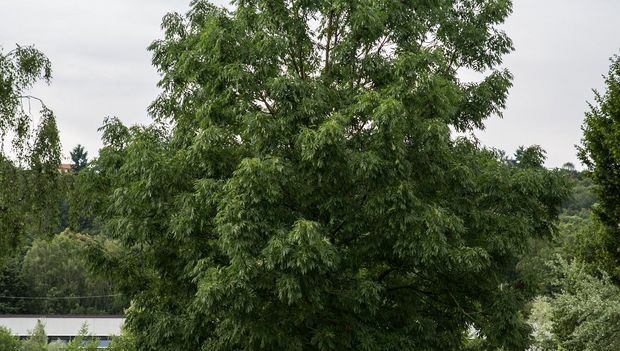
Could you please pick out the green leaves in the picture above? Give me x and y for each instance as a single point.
(304, 249)
(601, 153)
(58, 268)
(585, 312)
(8, 342)
(30, 185)
(308, 193)
(79, 157)
(20, 68)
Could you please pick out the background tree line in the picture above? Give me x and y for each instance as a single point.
(42, 268)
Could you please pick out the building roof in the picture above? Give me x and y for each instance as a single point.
(65, 167)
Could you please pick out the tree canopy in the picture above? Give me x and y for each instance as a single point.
(20, 69)
(301, 188)
(28, 174)
(601, 153)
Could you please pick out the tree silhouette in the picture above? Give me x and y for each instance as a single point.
(79, 158)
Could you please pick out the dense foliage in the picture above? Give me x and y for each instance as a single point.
(601, 153)
(57, 268)
(28, 197)
(301, 189)
(580, 309)
(79, 158)
(29, 181)
(586, 313)
(33, 201)
(7, 341)
(20, 68)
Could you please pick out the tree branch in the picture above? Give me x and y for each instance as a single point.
(295, 66)
(383, 43)
(264, 100)
(329, 39)
(385, 273)
(451, 61)
(30, 97)
(463, 310)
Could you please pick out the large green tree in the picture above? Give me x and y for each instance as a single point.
(28, 174)
(301, 188)
(601, 153)
(29, 179)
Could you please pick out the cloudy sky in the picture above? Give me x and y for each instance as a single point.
(101, 66)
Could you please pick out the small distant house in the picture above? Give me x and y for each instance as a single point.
(65, 168)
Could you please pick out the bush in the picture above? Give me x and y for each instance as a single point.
(8, 342)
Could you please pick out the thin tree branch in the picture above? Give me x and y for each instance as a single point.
(264, 100)
(329, 39)
(295, 66)
(385, 273)
(30, 97)
(383, 43)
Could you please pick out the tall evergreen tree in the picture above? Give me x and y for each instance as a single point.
(79, 157)
(310, 195)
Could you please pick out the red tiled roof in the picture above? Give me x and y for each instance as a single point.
(64, 167)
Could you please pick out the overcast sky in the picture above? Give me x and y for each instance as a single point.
(101, 66)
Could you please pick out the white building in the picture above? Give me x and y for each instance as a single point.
(65, 327)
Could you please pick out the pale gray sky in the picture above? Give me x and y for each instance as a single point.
(101, 66)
